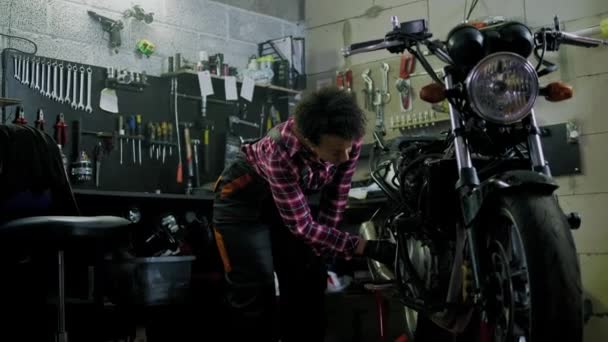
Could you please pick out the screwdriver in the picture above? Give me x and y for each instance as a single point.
(61, 133)
(139, 134)
(165, 138)
(152, 137)
(39, 123)
(121, 133)
(170, 129)
(131, 124)
(159, 135)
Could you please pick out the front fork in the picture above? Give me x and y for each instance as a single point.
(468, 183)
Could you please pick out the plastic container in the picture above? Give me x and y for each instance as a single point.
(149, 281)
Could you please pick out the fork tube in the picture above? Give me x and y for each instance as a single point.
(537, 156)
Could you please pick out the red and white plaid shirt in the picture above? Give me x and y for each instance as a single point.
(292, 172)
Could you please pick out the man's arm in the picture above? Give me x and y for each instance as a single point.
(334, 196)
(295, 211)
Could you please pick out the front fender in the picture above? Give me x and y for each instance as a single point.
(473, 201)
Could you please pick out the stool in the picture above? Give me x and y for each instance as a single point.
(58, 232)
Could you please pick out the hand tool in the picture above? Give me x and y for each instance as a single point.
(15, 67)
(164, 128)
(61, 131)
(403, 83)
(60, 94)
(27, 72)
(88, 108)
(121, 133)
(151, 138)
(75, 82)
(188, 149)
(98, 152)
(32, 72)
(39, 123)
(386, 95)
(138, 124)
(159, 137)
(369, 89)
(68, 87)
(20, 116)
(179, 147)
(170, 129)
(131, 125)
(197, 177)
(43, 79)
(55, 78)
(37, 74)
(22, 70)
(48, 79)
(81, 98)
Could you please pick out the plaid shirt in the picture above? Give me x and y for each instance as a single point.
(292, 173)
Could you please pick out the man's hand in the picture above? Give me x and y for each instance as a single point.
(380, 250)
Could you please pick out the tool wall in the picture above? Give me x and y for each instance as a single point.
(42, 84)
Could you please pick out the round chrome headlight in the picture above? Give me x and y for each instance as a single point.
(502, 87)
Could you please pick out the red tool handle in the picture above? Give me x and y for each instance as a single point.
(61, 131)
(408, 64)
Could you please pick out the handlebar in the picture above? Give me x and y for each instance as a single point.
(371, 45)
(572, 39)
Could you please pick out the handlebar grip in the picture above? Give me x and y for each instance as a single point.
(572, 39)
(370, 45)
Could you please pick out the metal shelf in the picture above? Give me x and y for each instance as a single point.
(270, 86)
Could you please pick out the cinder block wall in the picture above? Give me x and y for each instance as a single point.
(63, 29)
(332, 25)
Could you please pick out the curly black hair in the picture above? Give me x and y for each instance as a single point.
(329, 111)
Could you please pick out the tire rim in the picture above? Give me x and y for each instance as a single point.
(507, 309)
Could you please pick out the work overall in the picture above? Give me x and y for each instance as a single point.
(253, 244)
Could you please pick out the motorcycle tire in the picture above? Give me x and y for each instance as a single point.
(552, 264)
(555, 290)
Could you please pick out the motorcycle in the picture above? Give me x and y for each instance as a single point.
(484, 250)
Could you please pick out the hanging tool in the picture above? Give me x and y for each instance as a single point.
(121, 133)
(403, 83)
(368, 90)
(151, 137)
(165, 138)
(139, 132)
(159, 136)
(97, 152)
(39, 123)
(61, 131)
(132, 130)
(19, 116)
(382, 98)
(188, 149)
(179, 147)
(197, 176)
(170, 129)
(207, 127)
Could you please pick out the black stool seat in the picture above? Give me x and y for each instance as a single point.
(63, 227)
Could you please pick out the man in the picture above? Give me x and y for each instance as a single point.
(263, 222)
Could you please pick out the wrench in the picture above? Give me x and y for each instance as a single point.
(89, 109)
(32, 71)
(75, 76)
(48, 79)
(27, 72)
(80, 103)
(15, 67)
(19, 68)
(61, 99)
(386, 96)
(68, 88)
(37, 68)
(43, 78)
(369, 89)
(54, 92)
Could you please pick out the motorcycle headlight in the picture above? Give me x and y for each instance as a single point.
(502, 87)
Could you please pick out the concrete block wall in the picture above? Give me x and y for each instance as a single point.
(333, 25)
(63, 29)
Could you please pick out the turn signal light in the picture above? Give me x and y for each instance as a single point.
(432, 93)
(557, 91)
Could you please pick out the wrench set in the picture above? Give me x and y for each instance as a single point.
(59, 81)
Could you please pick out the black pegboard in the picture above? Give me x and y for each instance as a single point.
(563, 156)
(155, 104)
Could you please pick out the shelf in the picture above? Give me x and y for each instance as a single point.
(270, 86)
(149, 195)
(4, 102)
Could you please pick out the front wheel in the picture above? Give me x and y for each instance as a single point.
(529, 270)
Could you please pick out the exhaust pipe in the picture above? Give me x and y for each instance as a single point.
(379, 271)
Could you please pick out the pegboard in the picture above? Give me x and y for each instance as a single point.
(154, 104)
